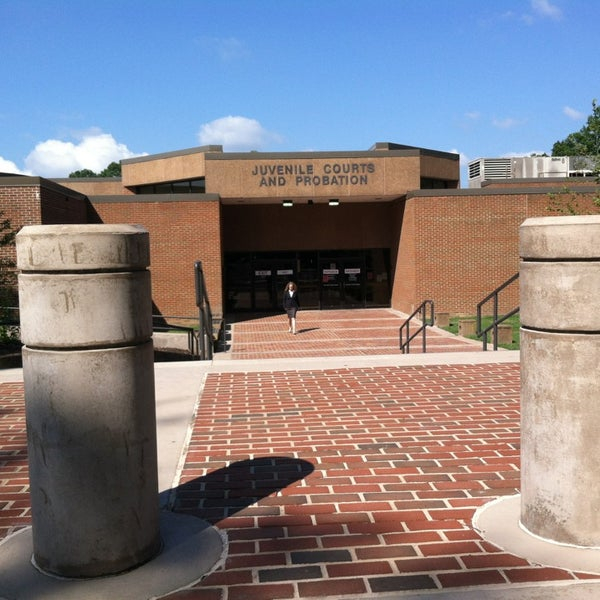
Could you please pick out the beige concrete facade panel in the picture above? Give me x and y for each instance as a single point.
(401, 174)
(313, 177)
(440, 168)
(168, 168)
(104, 186)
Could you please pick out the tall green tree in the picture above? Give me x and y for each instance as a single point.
(586, 141)
(83, 173)
(113, 170)
(9, 335)
(7, 263)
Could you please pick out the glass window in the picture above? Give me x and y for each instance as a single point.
(181, 187)
(188, 186)
(198, 186)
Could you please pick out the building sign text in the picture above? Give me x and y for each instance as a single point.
(308, 174)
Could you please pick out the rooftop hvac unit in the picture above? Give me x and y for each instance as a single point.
(581, 166)
(484, 169)
(533, 167)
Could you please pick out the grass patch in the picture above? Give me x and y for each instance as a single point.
(514, 321)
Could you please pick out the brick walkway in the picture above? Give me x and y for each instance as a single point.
(334, 332)
(340, 482)
(355, 482)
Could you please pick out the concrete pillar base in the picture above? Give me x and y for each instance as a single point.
(92, 448)
(442, 319)
(191, 549)
(467, 327)
(498, 522)
(560, 446)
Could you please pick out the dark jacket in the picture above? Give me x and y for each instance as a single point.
(290, 301)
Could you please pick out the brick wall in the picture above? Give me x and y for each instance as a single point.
(59, 207)
(35, 202)
(465, 247)
(404, 271)
(538, 182)
(182, 230)
(456, 248)
(20, 204)
(452, 246)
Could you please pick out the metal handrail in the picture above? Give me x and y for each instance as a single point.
(422, 310)
(205, 320)
(191, 331)
(496, 320)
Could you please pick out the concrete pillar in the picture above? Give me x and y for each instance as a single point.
(86, 322)
(560, 379)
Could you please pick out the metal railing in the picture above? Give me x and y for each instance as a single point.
(496, 319)
(160, 323)
(425, 322)
(200, 339)
(205, 320)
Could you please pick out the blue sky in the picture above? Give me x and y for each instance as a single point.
(85, 83)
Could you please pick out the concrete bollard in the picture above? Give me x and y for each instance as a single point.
(560, 383)
(86, 322)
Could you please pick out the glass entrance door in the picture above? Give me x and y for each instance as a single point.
(326, 279)
(353, 283)
(343, 282)
(270, 277)
(331, 285)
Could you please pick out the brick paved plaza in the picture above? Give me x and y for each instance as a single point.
(346, 482)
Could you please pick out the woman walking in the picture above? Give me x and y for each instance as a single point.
(291, 305)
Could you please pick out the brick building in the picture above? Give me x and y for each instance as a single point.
(384, 227)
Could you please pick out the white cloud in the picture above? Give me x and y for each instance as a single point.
(227, 49)
(92, 150)
(573, 113)
(237, 134)
(545, 8)
(8, 166)
(539, 9)
(507, 123)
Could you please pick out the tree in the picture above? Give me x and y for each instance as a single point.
(586, 141)
(9, 334)
(83, 173)
(113, 170)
